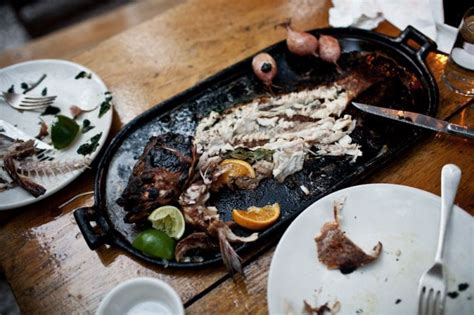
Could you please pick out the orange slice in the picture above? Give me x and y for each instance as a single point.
(255, 218)
(237, 168)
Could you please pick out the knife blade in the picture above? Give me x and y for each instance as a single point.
(14, 133)
(417, 119)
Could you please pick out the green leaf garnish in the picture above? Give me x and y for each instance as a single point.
(249, 155)
(51, 110)
(24, 85)
(104, 108)
(82, 75)
(86, 126)
(11, 89)
(63, 131)
(105, 105)
(44, 92)
(90, 146)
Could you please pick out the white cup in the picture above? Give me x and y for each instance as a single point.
(141, 296)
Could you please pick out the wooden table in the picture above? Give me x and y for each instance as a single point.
(44, 256)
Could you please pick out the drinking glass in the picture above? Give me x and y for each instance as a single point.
(459, 71)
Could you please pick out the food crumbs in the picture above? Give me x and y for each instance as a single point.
(304, 189)
(398, 301)
(453, 294)
(359, 311)
(463, 286)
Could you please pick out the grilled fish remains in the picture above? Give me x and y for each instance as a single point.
(160, 175)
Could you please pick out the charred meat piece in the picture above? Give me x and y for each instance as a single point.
(161, 173)
(336, 251)
(19, 151)
(321, 310)
(206, 219)
(193, 247)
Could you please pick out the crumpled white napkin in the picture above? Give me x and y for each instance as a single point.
(424, 15)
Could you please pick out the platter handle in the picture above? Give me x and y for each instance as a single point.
(426, 43)
(93, 227)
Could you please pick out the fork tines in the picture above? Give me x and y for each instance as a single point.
(36, 102)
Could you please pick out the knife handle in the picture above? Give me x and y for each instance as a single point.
(460, 130)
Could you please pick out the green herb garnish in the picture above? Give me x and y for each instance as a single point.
(86, 126)
(44, 92)
(63, 131)
(82, 75)
(106, 105)
(90, 146)
(24, 85)
(50, 110)
(11, 89)
(249, 155)
(104, 108)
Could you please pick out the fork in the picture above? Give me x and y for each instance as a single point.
(432, 285)
(23, 102)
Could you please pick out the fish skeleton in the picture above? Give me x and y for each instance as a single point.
(289, 125)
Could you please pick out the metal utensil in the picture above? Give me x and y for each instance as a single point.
(24, 102)
(432, 285)
(12, 132)
(416, 119)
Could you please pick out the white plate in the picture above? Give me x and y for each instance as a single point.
(404, 219)
(60, 81)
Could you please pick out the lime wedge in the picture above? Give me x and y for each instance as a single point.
(169, 220)
(63, 131)
(155, 244)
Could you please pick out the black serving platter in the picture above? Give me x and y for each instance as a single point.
(381, 140)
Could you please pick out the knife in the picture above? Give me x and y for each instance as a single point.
(416, 119)
(14, 133)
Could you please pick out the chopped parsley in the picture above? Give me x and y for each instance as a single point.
(249, 155)
(44, 92)
(106, 105)
(11, 89)
(90, 146)
(24, 85)
(83, 75)
(86, 126)
(51, 110)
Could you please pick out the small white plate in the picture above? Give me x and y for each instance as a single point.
(404, 219)
(60, 81)
(141, 296)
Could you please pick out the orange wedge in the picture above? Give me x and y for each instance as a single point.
(255, 218)
(237, 168)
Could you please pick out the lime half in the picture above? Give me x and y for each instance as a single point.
(169, 220)
(155, 244)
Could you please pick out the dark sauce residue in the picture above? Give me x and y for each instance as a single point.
(453, 294)
(348, 268)
(463, 286)
(404, 118)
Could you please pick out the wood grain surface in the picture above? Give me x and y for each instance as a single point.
(72, 40)
(44, 256)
